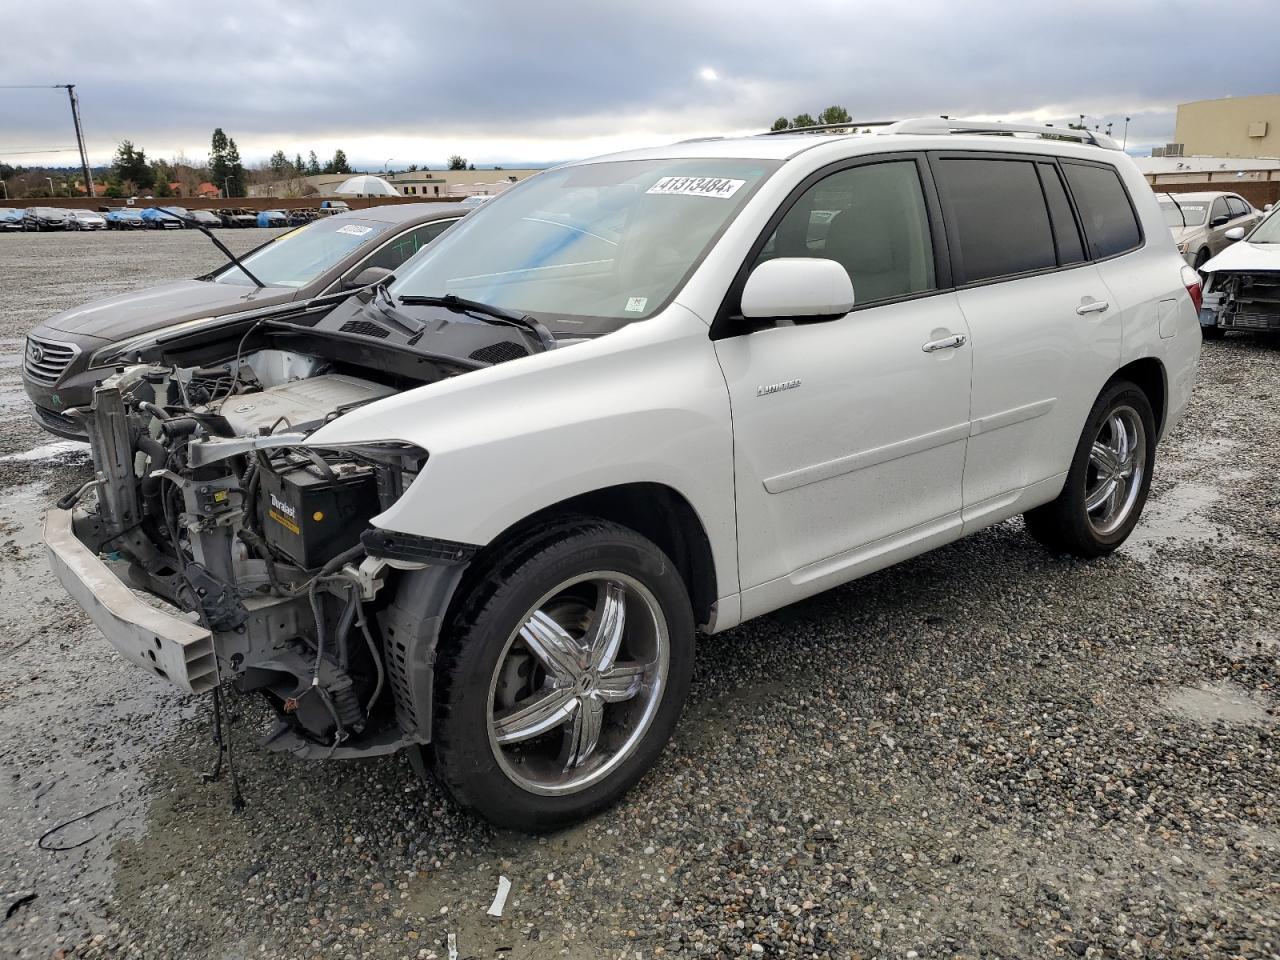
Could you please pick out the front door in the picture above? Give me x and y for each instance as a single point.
(849, 434)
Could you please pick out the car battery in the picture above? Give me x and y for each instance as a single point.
(310, 514)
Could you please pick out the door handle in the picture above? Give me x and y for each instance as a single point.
(946, 343)
(1097, 306)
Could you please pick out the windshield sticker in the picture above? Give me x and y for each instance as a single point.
(697, 186)
(636, 304)
(355, 230)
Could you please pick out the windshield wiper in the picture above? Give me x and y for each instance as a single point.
(487, 313)
(1179, 209)
(193, 222)
(384, 303)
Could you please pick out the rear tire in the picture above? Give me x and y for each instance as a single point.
(561, 675)
(1109, 479)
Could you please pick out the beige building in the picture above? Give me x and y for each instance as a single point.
(420, 183)
(1232, 127)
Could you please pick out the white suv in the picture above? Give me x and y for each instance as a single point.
(481, 513)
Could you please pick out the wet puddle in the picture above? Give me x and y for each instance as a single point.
(1221, 702)
(1179, 514)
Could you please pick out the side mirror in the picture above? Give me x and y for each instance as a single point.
(366, 278)
(1218, 221)
(1235, 233)
(797, 287)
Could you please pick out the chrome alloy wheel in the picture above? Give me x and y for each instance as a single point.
(578, 683)
(1117, 463)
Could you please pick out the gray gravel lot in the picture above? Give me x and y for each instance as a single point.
(985, 752)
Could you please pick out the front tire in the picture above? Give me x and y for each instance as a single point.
(561, 675)
(1109, 479)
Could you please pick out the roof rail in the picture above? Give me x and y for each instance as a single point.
(939, 126)
(945, 125)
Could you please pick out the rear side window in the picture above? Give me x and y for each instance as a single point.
(1110, 224)
(997, 212)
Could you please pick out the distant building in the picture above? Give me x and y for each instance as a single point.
(206, 190)
(1231, 127)
(417, 184)
(1257, 180)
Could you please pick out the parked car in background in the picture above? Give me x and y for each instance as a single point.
(161, 218)
(273, 218)
(629, 399)
(300, 216)
(85, 220)
(238, 217)
(1200, 221)
(124, 218)
(1242, 284)
(68, 353)
(205, 218)
(44, 218)
(329, 208)
(11, 218)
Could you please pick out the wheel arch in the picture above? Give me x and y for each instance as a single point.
(656, 511)
(1150, 376)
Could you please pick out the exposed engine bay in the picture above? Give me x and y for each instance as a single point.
(208, 495)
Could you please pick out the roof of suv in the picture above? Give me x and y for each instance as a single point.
(784, 145)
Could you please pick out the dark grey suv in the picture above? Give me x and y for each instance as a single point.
(67, 354)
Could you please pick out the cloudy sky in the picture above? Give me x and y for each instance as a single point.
(412, 82)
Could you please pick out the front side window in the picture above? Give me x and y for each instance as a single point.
(592, 245)
(1110, 225)
(871, 220)
(298, 257)
(996, 210)
(1236, 207)
(395, 253)
(1219, 209)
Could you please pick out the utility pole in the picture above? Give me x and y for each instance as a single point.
(84, 156)
(1125, 143)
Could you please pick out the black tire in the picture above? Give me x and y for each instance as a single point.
(1212, 333)
(478, 641)
(1065, 525)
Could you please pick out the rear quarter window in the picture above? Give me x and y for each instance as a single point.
(1110, 225)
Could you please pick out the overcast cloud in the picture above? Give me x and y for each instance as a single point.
(413, 82)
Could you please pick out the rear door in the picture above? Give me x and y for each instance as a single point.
(1045, 336)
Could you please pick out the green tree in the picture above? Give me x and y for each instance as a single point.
(313, 165)
(235, 170)
(299, 168)
(279, 164)
(131, 164)
(803, 120)
(782, 123)
(457, 162)
(218, 169)
(339, 163)
(113, 190)
(834, 115)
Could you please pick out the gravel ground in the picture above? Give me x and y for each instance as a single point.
(985, 752)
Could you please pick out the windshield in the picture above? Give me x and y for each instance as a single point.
(1194, 212)
(609, 241)
(1268, 231)
(301, 255)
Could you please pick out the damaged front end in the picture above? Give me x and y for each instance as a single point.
(1244, 301)
(209, 496)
